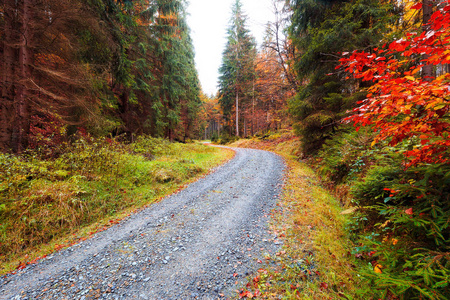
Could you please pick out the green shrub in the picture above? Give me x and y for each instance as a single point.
(401, 226)
(411, 238)
(346, 155)
(214, 137)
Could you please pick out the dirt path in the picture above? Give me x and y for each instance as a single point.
(192, 245)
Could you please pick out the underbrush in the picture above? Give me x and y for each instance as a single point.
(223, 139)
(283, 142)
(47, 203)
(399, 217)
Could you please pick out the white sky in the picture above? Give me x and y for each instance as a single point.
(208, 20)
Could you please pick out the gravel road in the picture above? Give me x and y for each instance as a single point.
(197, 244)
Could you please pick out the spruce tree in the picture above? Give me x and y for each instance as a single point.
(237, 71)
(320, 30)
(176, 87)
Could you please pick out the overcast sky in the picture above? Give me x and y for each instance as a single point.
(208, 20)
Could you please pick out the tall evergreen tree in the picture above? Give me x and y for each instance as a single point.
(237, 72)
(176, 87)
(320, 30)
(43, 79)
(120, 67)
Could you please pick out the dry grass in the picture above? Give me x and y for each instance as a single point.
(48, 205)
(315, 262)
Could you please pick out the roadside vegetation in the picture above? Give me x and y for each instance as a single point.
(350, 225)
(53, 197)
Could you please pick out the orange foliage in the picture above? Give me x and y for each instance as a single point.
(401, 105)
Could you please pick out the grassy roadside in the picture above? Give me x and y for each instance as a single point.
(315, 262)
(48, 204)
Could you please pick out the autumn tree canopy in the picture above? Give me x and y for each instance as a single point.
(402, 105)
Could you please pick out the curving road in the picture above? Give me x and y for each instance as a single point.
(197, 244)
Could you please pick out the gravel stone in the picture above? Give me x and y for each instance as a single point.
(187, 246)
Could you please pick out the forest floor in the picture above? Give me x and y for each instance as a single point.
(199, 243)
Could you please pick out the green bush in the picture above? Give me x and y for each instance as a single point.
(401, 226)
(346, 155)
(412, 237)
(214, 137)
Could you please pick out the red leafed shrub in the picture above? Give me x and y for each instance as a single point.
(400, 104)
(406, 202)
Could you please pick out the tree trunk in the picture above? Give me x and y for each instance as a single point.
(124, 108)
(9, 53)
(218, 128)
(427, 7)
(253, 108)
(237, 113)
(21, 102)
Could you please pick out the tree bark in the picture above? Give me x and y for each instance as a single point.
(22, 118)
(237, 113)
(427, 8)
(9, 56)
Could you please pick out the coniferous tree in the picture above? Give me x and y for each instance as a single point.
(237, 72)
(176, 82)
(320, 30)
(43, 79)
(120, 67)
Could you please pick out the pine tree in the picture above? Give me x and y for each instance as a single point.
(176, 83)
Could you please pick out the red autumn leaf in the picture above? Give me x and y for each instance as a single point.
(417, 6)
(400, 105)
(262, 271)
(244, 294)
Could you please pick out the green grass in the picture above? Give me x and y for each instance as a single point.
(47, 204)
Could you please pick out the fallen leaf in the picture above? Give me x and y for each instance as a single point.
(377, 269)
(247, 294)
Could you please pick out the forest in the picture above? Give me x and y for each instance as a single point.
(363, 84)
